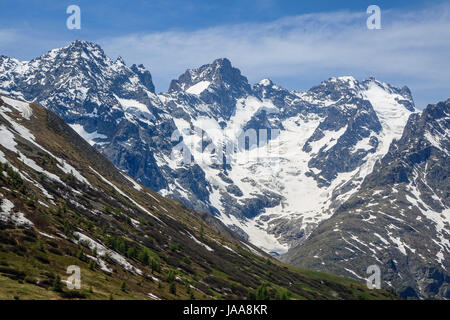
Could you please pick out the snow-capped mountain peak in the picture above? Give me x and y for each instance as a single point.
(217, 86)
(265, 82)
(220, 73)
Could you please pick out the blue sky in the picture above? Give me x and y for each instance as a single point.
(295, 43)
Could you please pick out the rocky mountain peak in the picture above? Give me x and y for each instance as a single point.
(120, 60)
(267, 89)
(402, 95)
(82, 45)
(265, 82)
(220, 73)
(332, 91)
(76, 50)
(437, 111)
(144, 76)
(217, 84)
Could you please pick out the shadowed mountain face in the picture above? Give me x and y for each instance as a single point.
(399, 219)
(270, 163)
(63, 204)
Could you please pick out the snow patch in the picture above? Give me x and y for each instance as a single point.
(199, 242)
(89, 137)
(21, 106)
(6, 214)
(103, 251)
(198, 87)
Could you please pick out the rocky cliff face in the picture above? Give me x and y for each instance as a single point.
(400, 217)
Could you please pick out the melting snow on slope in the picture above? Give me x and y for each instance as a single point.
(151, 295)
(89, 137)
(21, 106)
(6, 214)
(199, 242)
(2, 156)
(102, 251)
(329, 140)
(251, 249)
(198, 87)
(123, 194)
(132, 104)
(441, 221)
(435, 142)
(8, 141)
(67, 168)
(135, 184)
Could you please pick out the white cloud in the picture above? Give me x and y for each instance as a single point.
(412, 47)
(297, 52)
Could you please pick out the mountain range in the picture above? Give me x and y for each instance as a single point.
(345, 175)
(64, 206)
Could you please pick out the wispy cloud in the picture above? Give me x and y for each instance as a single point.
(411, 48)
(297, 52)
